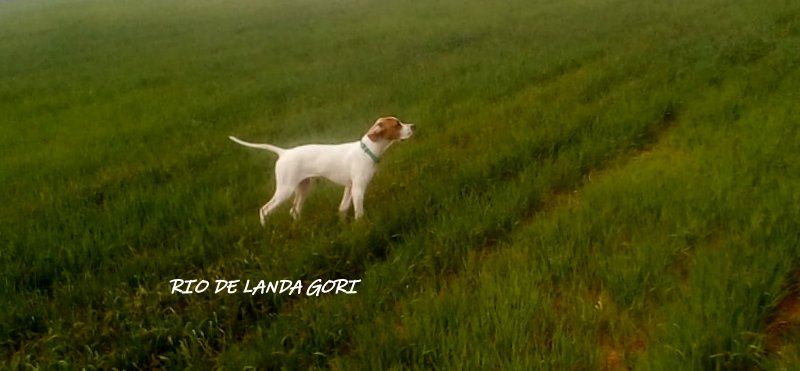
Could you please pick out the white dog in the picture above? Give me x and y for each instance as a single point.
(349, 164)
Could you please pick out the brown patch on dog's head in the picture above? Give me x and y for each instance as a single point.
(385, 128)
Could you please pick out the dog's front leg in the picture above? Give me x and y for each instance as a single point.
(358, 184)
(347, 200)
(357, 193)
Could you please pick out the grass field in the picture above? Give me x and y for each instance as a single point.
(594, 184)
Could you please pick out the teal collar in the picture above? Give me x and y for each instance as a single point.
(369, 152)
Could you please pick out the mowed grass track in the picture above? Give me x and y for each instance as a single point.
(593, 184)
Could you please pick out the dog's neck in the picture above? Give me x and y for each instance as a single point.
(379, 147)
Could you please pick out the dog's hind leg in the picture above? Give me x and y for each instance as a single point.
(300, 194)
(285, 184)
(281, 195)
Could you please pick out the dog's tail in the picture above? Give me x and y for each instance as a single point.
(270, 147)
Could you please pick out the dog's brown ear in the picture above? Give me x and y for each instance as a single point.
(375, 133)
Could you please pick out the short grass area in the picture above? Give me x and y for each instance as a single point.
(593, 184)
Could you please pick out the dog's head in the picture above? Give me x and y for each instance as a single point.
(390, 128)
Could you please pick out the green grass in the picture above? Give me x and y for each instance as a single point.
(594, 184)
